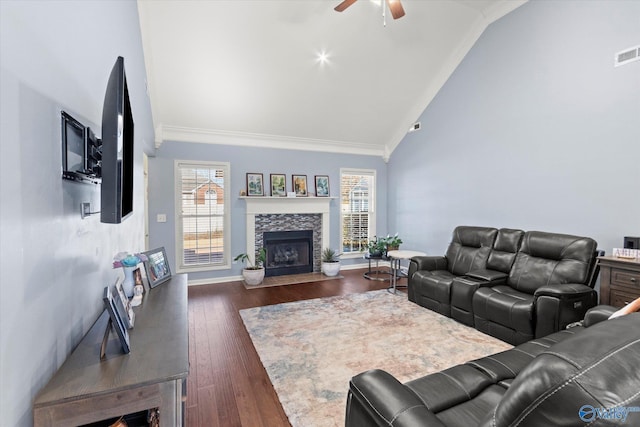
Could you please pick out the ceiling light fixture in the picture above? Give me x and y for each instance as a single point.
(323, 57)
(395, 6)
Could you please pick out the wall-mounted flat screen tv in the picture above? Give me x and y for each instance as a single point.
(117, 149)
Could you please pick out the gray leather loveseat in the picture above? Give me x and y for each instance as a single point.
(508, 283)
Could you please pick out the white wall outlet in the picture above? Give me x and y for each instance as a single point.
(161, 218)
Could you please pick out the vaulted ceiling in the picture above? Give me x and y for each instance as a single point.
(297, 74)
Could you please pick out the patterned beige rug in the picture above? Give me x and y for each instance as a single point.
(311, 349)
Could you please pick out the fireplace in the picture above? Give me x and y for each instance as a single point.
(265, 214)
(288, 252)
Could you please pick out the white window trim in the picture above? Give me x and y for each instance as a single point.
(226, 265)
(372, 213)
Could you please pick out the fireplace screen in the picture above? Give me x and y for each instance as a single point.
(288, 252)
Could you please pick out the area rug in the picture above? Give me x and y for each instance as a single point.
(311, 349)
(291, 279)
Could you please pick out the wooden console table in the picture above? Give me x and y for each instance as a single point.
(152, 375)
(619, 280)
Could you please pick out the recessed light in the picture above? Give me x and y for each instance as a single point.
(323, 57)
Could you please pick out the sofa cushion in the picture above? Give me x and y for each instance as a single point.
(505, 306)
(469, 412)
(551, 258)
(596, 368)
(450, 387)
(469, 248)
(504, 249)
(504, 366)
(434, 284)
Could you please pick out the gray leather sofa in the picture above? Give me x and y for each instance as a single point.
(586, 375)
(508, 283)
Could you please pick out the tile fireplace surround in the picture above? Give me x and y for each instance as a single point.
(257, 206)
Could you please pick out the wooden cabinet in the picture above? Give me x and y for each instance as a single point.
(619, 280)
(86, 389)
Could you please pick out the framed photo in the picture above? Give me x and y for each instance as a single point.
(123, 306)
(157, 267)
(300, 185)
(255, 186)
(116, 322)
(278, 184)
(137, 278)
(322, 186)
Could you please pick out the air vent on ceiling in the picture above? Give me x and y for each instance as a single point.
(414, 127)
(626, 56)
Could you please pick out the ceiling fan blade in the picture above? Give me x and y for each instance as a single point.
(397, 11)
(345, 4)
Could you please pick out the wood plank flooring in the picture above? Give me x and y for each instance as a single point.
(227, 384)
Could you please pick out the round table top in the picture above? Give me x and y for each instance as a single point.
(402, 254)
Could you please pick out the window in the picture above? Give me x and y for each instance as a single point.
(357, 208)
(202, 212)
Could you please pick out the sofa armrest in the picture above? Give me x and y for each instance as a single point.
(564, 291)
(429, 263)
(598, 314)
(376, 398)
(492, 276)
(557, 306)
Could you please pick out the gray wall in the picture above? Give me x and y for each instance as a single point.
(54, 265)
(535, 130)
(258, 160)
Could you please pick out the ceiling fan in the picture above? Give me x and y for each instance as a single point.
(394, 5)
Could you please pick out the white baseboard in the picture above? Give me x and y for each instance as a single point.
(199, 282)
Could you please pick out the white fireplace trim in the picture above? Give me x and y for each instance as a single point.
(286, 205)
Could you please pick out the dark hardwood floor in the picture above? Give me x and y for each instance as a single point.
(227, 384)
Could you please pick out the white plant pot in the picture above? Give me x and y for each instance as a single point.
(330, 268)
(253, 277)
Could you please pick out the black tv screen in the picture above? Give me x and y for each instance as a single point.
(117, 149)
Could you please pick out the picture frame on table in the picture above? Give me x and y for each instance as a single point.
(322, 185)
(278, 184)
(255, 184)
(137, 277)
(123, 306)
(157, 267)
(116, 322)
(300, 185)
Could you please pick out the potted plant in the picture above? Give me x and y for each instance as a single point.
(253, 274)
(376, 247)
(330, 262)
(393, 242)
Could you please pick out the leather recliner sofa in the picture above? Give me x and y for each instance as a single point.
(584, 375)
(508, 283)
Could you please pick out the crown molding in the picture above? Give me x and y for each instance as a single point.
(246, 139)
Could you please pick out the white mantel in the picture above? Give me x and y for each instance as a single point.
(286, 205)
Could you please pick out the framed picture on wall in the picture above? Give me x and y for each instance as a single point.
(300, 185)
(278, 185)
(157, 267)
(255, 186)
(322, 185)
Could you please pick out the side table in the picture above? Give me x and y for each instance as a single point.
(375, 274)
(619, 280)
(396, 257)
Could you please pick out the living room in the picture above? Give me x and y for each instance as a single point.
(535, 129)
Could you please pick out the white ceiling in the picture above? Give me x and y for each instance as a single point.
(247, 71)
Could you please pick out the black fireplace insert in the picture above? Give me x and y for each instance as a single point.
(288, 252)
